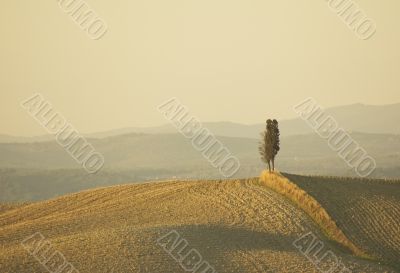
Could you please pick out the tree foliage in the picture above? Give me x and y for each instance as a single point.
(270, 143)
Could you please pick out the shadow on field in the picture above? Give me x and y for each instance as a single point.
(224, 238)
(226, 248)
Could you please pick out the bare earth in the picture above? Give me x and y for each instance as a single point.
(235, 225)
(369, 215)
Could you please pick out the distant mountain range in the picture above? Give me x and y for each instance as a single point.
(377, 119)
(38, 168)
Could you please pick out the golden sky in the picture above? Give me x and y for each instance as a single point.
(227, 60)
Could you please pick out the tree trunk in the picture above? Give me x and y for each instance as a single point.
(273, 164)
(269, 166)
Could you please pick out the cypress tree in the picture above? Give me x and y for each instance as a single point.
(270, 143)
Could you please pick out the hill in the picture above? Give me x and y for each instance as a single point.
(366, 210)
(19, 185)
(37, 171)
(303, 153)
(354, 118)
(235, 225)
(173, 151)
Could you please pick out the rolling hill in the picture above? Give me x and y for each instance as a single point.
(235, 225)
(37, 171)
(173, 151)
(353, 118)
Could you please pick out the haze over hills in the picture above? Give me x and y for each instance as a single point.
(43, 169)
(376, 119)
(174, 151)
(34, 171)
(4, 138)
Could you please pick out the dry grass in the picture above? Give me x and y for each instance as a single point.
(9, 206)
(312, 207)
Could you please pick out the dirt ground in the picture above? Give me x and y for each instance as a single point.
(234, 225)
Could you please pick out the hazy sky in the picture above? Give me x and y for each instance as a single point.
(225, 59)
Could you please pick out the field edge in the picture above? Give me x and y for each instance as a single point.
(282, 185)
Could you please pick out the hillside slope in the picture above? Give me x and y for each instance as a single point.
(366, 210)
(236, 225)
